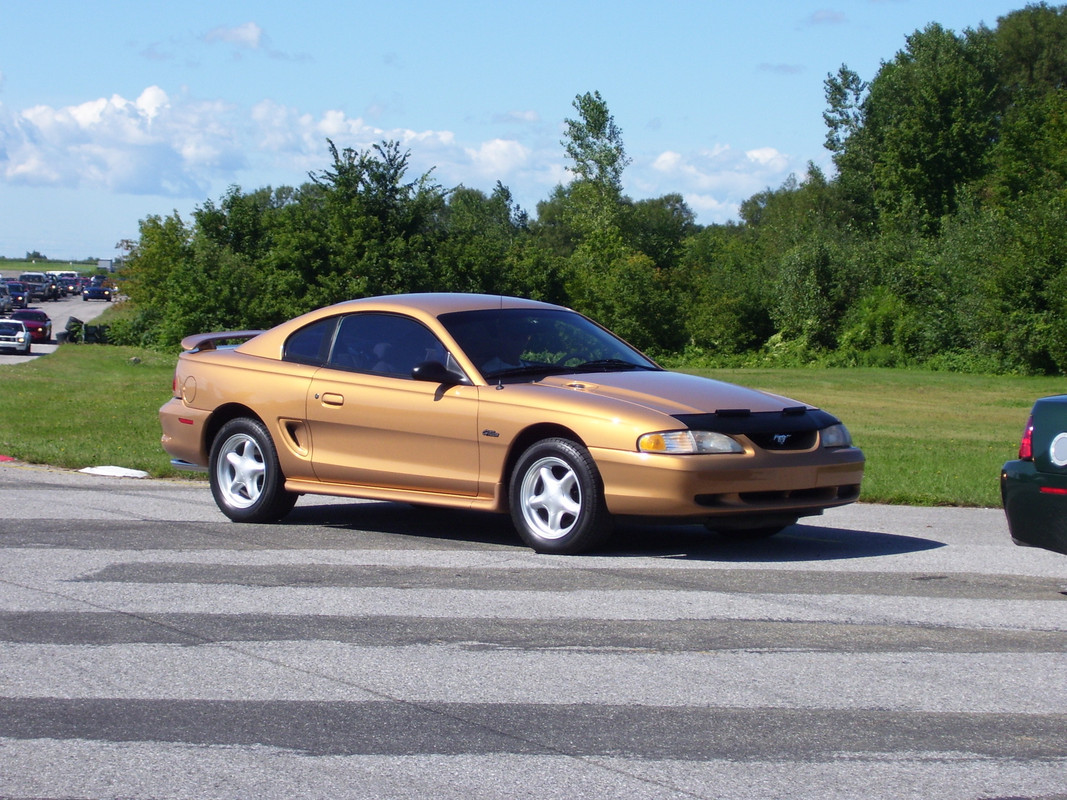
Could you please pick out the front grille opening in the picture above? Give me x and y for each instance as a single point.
(795, 497)
(803, 440)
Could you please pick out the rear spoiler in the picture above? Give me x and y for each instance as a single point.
(199, 342)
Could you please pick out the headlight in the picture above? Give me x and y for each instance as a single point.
(836, 436)
(688, 443)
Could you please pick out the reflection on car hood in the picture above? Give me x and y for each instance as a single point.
(671, 392)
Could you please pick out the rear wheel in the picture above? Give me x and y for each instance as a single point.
(246, 478)
(557, 498)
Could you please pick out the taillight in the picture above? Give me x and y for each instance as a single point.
(174, 386)
(1026, 446)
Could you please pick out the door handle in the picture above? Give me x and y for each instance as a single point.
(332, 399)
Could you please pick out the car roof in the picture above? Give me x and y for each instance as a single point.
(426, 306)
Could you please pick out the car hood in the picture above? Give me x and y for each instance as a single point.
(671, 393)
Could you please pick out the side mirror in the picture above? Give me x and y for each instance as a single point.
(436, 372)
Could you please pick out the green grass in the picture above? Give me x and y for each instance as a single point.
(86, 406)
(930, 438)
(12, 268)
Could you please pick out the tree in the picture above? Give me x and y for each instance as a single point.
(844, 100)
(480, 235)
(924, 129)
(594, 143)
(381, 229)
(1032, 46)
(722, 290)
(658, 228)
(164, 243)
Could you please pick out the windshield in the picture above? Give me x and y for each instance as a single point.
(524, 344)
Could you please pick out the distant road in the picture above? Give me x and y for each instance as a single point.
(151, 648)
(59, 311)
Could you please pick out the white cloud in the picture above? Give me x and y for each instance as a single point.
(768, 157)
(179, 146)
(146, 146)
(498, 158)
(247, 35)
(152, 101)
(714, 181)
(668, 161)
(522, 117)
(712, 209)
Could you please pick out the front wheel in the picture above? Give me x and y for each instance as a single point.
(557, 498)
(246, 478)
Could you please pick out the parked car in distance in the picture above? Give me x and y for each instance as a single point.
(20, 297)
(36, 284)
(6, 303)
(97, 289)
(1034, 486)
(37, 323)
(70, 281)
(59, 287)
(14, 336)
(499, 404)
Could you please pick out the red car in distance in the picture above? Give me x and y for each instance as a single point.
(37, 323)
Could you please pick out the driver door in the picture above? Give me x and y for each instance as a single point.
(373, 425)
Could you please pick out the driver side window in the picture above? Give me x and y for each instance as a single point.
(383, 344)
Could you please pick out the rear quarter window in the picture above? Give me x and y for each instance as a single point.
(310, 344)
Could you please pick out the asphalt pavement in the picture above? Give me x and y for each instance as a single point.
(151, 648)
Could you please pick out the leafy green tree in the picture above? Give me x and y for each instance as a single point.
(1016, 261)
(1032, 48)
(552, 228)
(163, 245)
(629, 295)
(924, 128)
(481, 235)
(594, 143)
(164, 242)
(1030, 155)
(658, 227)
(722, 291)
(811, 295)
(854, 151)
(381, 230)
(845, 93)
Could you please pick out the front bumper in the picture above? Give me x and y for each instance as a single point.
(716, 486)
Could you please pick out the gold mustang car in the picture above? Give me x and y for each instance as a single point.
(493, 403)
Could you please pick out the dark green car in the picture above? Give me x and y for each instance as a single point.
(1034, 486)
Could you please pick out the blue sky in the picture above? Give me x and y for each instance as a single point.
(117, 110)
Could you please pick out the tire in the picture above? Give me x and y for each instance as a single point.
(557, 498)
(246, 478)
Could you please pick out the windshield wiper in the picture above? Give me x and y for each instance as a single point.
(527, 369)
(609, 365)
